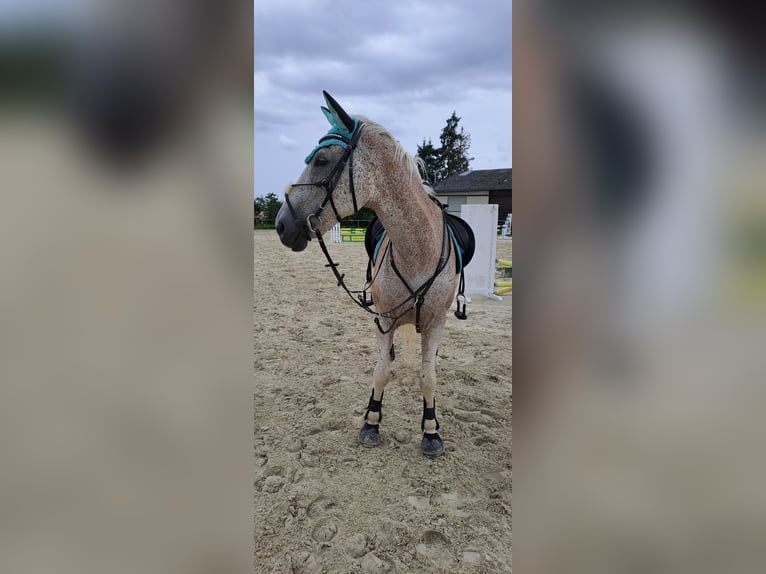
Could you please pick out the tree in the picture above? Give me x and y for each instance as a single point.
(432, 158)
(364, 214)
(449, 158)
(266, 208)
(454, 148)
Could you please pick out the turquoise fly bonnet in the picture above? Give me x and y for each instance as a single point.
(339, 134)
(345, 132)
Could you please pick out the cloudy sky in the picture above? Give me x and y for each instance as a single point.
(405, 64)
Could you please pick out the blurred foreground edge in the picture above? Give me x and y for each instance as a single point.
(126, 310)
(640, 289)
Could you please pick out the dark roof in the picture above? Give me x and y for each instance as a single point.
(476, 180)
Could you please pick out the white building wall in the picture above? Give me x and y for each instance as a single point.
(462, 199)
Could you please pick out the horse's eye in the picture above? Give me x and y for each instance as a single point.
(319, 161)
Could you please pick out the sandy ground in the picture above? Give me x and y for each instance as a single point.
(324, 504)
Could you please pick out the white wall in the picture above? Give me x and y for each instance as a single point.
(467, 200)
(480, 272)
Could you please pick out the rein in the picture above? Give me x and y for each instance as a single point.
(360, 297)
(416, 295)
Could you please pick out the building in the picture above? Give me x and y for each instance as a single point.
(477, 186)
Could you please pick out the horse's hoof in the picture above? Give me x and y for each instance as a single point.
(432, 445)
(369, 435)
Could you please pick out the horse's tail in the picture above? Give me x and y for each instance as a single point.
(407, 337)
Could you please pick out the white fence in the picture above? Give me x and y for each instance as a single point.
(335, 233)
(507, 229)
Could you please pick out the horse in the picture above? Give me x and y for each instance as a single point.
(413, 270)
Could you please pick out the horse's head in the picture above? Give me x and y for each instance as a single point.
(325, 191)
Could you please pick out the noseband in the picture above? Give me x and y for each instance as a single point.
(330, 182)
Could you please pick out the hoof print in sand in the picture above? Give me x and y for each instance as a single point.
(304, 562)
(273, 484)
(324, 531)
(294, 445)
(356, 545)
(433, 550)
(371, 564)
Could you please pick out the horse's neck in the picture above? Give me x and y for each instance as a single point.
(414, 225)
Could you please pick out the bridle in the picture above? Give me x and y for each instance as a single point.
(330, 182)
(359, 297)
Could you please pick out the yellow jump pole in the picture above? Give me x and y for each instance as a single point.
(503, 290)
(504, 263)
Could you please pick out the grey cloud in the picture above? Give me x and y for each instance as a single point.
(407, 65)
(361, 49)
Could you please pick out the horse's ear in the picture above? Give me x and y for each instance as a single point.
(329, 115)
(333, 118)
(341, 113)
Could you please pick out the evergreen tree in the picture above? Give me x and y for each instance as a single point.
(451, 157)
(266, 208)
(432, 158)
(454, 148)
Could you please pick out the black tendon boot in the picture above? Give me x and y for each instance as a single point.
(369, 435)
(431, 445)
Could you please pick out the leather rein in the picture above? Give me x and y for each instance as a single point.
(359, 297)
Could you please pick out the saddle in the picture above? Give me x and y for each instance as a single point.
(460, 233)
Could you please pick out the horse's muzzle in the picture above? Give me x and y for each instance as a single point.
(291, 234)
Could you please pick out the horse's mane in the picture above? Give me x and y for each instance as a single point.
(415, 166)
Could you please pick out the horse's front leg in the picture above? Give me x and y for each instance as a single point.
(431, 445)
(369, 434)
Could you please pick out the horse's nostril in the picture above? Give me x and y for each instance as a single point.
(280, 228)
